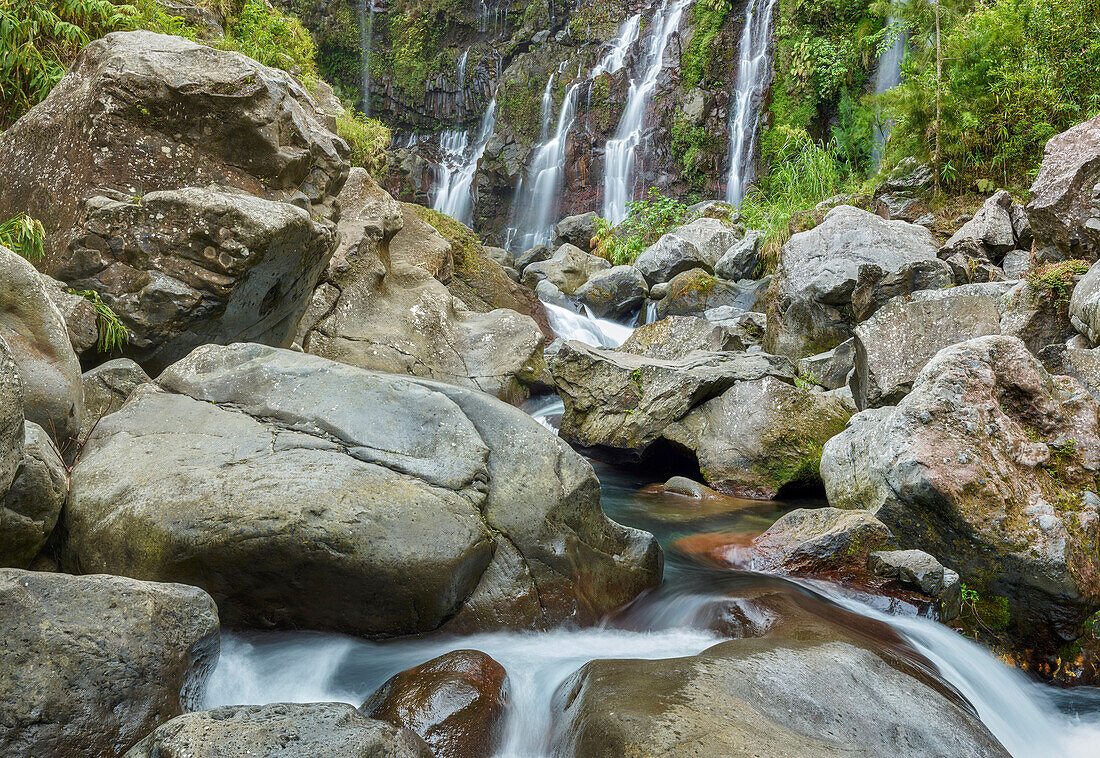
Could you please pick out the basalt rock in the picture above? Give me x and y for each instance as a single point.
(677, 337)
(107, 387)
(454, 702)
(984, 464)
(577, 231)
(695, 292)
(422, 499)
(91, 664)
(1084, 307)
(567, 269)
(30, 507)
(838, 274)
(615, 292)
(989, 235)
(279, 730)
(700, 244)
(816, 540)
(1064, 211)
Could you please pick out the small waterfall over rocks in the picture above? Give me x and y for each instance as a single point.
(453, 192)
(619, 153)
(888, 76)
(754, 72)
(366, 37)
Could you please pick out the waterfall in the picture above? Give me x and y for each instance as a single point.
(615, 58)
(888, 76)
(547, 111)
(460, 97)
(453, 190)
(619, 153)
(754, 73)
(585, 327)
(538, 198)
(366, 35)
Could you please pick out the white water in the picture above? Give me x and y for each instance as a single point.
(888, 76)
(366, 36)
(585, 327)
(754, 71)
(615, 58)
(619, 153)
(547, 410)
(453, 190)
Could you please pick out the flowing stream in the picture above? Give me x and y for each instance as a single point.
(754, 71)
(453, 190)
(1030, 720)
(619, 153)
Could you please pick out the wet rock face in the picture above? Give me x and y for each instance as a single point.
(809, 541)
(279, 730)
(484, 497)
(838, 274)
(811, 698)
(141, 112)
(986, 464)
(1064, 211)
(454, 702)
(91, 664)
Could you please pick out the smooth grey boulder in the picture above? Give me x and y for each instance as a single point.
(893, 345)
(30, 507)
(695, 292)
(750, 326)
(1084, 306)
(813, 540)
(676, 337)
(537, 254)
(742, 260)
(988, 235)
(918, 569)
(381, 308)
(11, 417)
(411, 490)
(760, 436)
(831, 368)
(501, 256)
(623, 402)
(1064, 210)
(79, 315)
(699, 244)
(279, 730)
(93, 663)
(191, 266)
(817, 694)
(838, 274)
(107, 387)
(577, 231)
(983, 464)
(567, 269)
(139, 113)
(1083, 365)
(35, 334)
(615, 292)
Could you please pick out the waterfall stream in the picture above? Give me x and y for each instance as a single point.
(366, 37)
(754, 71)
(619, 153)
(452, 192)
(888, 76)
(585, 327)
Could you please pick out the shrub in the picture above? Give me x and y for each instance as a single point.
(368, 139)
(271, 37)
(25, 236)
(1053, 280)
(112, 334)
(646, 221)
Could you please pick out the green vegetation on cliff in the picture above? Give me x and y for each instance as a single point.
(705, 47)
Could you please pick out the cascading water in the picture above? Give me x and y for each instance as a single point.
(619, 153)
(615, 58)
(888, 76)
(585, 327)
(453, 190)
(366, 36)
(754, 72)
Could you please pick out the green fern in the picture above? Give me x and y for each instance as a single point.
(112, 334)
(25, 236)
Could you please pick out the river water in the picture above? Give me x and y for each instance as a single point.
(1030, 720)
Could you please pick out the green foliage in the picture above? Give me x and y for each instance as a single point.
(645, 222)
(1053, 280)
(984, 610)
(807, 173)
(1015, 73)
(271, 37)
(705, 45)
(697, 151)
(38, 41)
(368, 139)
(25, 236)
(112, 334)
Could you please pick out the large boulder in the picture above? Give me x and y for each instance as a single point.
(140, 112)
(187, 267)
(91, 664)
(615, 292)
(760, 436)
(894, 344)
(695, 292)
(567, 269)
(677, 336)
(421, 501)
(838, 274)
(107, 387)
(385, 313)
(742, 260)
(816, 540)
(577, 230)
(700, 244)
(35, 334)
(984, 464)
(809, 697)
(1084, 306)
(31, 506)
(988, 235)
(623, 402)
(11, 417)
(454, 702)
(79, 314)
(1064, 210)
(279, 730)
